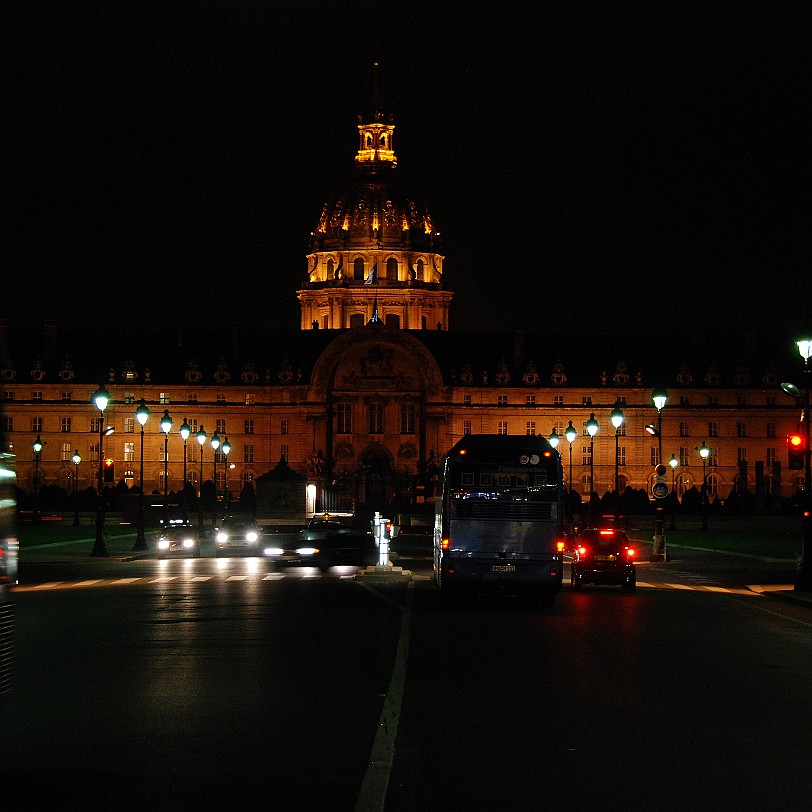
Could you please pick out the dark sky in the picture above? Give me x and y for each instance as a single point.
(588, 164)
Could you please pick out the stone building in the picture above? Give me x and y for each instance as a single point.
(376, 384)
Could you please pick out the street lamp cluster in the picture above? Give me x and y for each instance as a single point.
(101, 398)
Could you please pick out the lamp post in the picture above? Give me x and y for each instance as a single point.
(674, 463)
(659, 396)
(185, 431)
(76, 459)
(803, 578)
(616, 418)
(225, 448)
(592, 429)
(571, 433)
(201, 438)
(141, 415)
(166, 427)
(704, 452)
(37, 445)
(215, 444)
(554, 439)
(101, 397)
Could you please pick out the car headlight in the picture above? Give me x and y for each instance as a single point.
(273, 551)
(251, 536)
(222, 537)
(307, 550)
(188, 543)
(163, 544)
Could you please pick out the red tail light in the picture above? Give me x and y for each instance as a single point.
(630, 552)
(445, 544)
(581, 551)
(560, 546)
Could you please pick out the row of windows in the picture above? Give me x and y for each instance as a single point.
(66, 396)
(560, 428)
(129, 397)
(586, 400)
(193, 453)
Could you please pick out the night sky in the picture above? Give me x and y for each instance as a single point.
(589, 165)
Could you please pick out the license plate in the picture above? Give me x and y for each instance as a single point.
(503, 568)
(605, 557)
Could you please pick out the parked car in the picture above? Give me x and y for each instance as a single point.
(329, 541)
(604, 556)
(238, 535)
(181, 538)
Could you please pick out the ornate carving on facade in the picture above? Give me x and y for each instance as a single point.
(344, 452)
(8, 372)
(621, 376)
(407, 451)
(66, 372)
(684, 376)
(531, 376)
(638, 378)
(221, 374)
(712, 376)
(129, 372)
(377, 363)
(559, 376)
(285, 374)
(37, 371)
(770, 377)
(502, 373)
(467, 375)
(742, 376)
(249, 373)
(193, 373)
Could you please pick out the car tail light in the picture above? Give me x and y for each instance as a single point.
(581, 550)
(560, 546)
(630, 552)
(607, 532)
(445, 544)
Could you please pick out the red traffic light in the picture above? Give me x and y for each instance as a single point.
(796, 452)
(109, 470)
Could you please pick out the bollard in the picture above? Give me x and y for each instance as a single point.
(658, 552)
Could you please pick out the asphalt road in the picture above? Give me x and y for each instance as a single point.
(174, 684)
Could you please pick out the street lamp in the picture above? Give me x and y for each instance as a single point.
(659, 396)
(215, 444)
(225, 448)
(803, 578)
(37, 445)
(101, 397)
(674, 463)
(571, 433)
(166, 427)
(704, 452)
(76, 459)
(554, 439)
(201, 438)
(592, 429)
(185, 431)
(616, 418)
(141, 415)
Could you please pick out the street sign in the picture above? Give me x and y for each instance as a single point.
(661, 479)
(660, 490)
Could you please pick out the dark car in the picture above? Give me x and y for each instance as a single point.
(328, 542)
(604, 556)
(238, 535)
(182, 538)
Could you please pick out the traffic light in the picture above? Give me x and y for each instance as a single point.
(796, 451)
(109, 470)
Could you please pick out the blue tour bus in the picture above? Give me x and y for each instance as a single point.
(499, 516)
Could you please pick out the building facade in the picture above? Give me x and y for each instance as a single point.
(375, 386)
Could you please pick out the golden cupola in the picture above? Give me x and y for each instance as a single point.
(375, 251)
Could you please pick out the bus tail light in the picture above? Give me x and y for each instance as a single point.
(445, 544)
(560, 546)
(630, 552)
